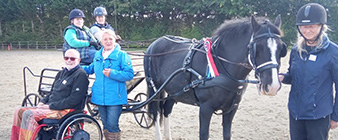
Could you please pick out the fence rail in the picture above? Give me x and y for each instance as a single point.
(30, 45)
(18, 45)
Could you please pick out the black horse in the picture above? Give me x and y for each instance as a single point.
(240, 45)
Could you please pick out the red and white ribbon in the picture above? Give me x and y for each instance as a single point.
(211, 64)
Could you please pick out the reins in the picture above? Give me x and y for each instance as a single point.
(246, 65)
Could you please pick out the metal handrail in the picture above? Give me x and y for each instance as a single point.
(35, 75)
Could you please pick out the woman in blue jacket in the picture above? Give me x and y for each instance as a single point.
(112, 68)
(313, 70)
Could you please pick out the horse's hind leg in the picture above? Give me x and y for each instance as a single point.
(168, 106)
(227, 121)
(158, 135)
(154, 109)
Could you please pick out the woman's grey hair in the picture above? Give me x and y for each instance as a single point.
(105, 31)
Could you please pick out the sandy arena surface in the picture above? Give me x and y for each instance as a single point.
(259, 117)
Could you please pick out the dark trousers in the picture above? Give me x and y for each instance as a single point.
(309, 129)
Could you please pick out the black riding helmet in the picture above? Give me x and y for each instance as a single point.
(309, 14)
(76, 13)
(100, 11)
(312, 13)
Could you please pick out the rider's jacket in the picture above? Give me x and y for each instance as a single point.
(110, 90)
(98, 27)
(311, 79)
(76, 38)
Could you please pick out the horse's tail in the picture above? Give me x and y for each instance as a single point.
(154, 107)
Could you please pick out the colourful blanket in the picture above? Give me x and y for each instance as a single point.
(26, 120)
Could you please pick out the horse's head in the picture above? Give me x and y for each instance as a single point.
(265, 50)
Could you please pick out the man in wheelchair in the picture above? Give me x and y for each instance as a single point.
(68, 93)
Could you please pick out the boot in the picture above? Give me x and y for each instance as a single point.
(105, 133)
(113, 136)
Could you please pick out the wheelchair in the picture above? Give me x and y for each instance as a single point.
(75, 125)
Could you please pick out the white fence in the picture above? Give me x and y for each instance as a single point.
(31, 45)
(18, 45)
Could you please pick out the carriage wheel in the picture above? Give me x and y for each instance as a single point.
(79, 126)
(32, 99)
(92, 108)
(142, 116)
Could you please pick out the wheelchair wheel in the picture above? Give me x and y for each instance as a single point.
(142, 116)
(32, 99)
(92, 108)
(79, 126)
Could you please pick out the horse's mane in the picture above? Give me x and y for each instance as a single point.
(236, 27)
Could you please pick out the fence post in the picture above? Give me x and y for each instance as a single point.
(10, 45)
(27, 44)
(37, 45)
(46, 44)
(2, 45)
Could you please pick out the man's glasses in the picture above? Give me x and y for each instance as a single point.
(71, 58)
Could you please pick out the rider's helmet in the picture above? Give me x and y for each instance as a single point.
(76, 13)
(100, 11)
(311, 13)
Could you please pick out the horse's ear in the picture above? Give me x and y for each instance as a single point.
(278, 21)
(254, 23)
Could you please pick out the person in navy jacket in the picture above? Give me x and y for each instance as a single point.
(100, 14)
(112, 68)
(312, 72)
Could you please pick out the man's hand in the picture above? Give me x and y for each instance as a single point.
(40, 104)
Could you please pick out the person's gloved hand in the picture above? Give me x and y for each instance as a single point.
(118, 39)
(95, 44)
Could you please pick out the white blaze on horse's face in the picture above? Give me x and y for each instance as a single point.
(272, 88)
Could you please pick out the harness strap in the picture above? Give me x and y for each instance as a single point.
(223, 81)
(192, 50)
(266, 65)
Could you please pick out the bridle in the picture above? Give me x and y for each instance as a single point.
(252, 53)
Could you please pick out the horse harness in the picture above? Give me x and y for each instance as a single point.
(223, 81)
(226, 81)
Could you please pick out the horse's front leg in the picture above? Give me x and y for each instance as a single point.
(205, 117)
(226, 122)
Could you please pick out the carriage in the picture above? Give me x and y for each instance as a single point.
(239, 47)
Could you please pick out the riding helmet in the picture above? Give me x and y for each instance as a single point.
(100, 11)
(76, 13)
(311, 13)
